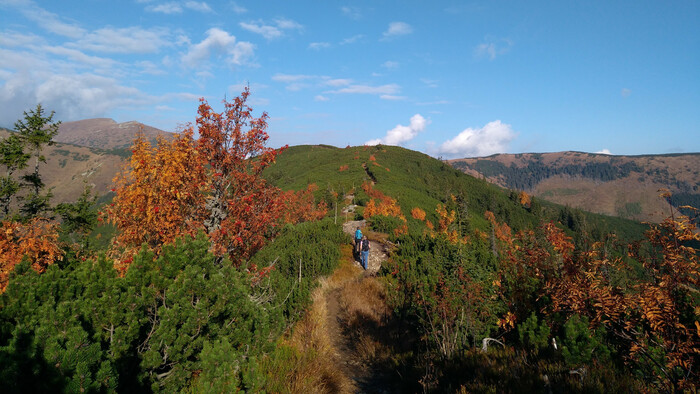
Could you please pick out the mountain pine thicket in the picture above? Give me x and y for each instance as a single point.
(220, 241)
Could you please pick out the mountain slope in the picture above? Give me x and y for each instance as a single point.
(69, 168)
(417, 180)
(625, 186)
(105, 133)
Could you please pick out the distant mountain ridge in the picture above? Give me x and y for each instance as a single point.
(625, 186)
(69, 168)
(105, 133)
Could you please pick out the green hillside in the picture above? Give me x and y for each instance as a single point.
(418, 180)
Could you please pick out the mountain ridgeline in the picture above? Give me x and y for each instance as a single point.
(105, 133)
(625, 186)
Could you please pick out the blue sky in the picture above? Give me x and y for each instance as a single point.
(448, 78)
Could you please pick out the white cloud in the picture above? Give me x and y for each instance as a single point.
(319, 45)
(80, 57)
(237, 88)
(401, 133)
(271, 31)
(492, 48)
(494, 137)
(259, 101)
(295, 82)
(148, 67)
(218, 42)
(47, 20)
(436, 102)
(290, 78)
(389, 64)
(351, 12)
(198, 6)
(352, 40)
(431, 83)
(392, 97)
(321, 98)
(604, 152)
(288, 24)
(72, 96)
(397, 29)
(388, 89)
(165, 8)
(238, 9)
(625, 92)
(13, 39)
(125, 40)
(335, 82)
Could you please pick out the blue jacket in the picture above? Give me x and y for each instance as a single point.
(358, 234)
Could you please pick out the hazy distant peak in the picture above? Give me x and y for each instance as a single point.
(104, 133)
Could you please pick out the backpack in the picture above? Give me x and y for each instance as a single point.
(365, 245)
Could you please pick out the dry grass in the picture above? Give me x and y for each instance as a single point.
(345, 272)
(309, 363)
(364, 312)
(315, 370)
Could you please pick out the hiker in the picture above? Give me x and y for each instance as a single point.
(358, 239)
(365, 252)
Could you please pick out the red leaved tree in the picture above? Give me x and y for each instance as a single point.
(213, 184)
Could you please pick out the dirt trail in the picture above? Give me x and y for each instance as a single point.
(355, 308)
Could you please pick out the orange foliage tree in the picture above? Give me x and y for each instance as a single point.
(446, 219)
(36, 239)
(525, 199)
(161, 194)
(212, 184)
(301, 206)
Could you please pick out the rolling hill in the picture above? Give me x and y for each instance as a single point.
(624, 186)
